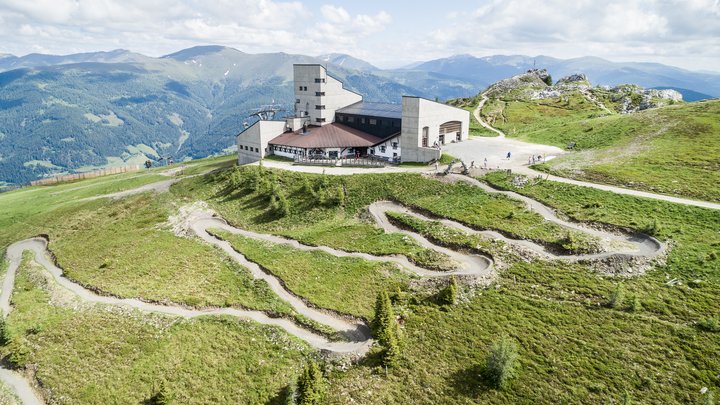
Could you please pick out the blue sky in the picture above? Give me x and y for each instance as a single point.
(389, 33)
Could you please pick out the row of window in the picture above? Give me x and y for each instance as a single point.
(319, 107)
(248, 148)
(382, 150)
(371, 121)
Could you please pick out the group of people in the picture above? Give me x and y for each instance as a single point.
(539, 159)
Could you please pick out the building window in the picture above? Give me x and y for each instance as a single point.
(301, 88)
(319, 80)
(372, 151)
(319, 119)
(319, 93)
(257, 150)
(394, 145)
(373, 121)
(382, 148)
(441, 138)
(362, 120)
(350, 119)
(319, 107)
(297, 101)
(425, 136)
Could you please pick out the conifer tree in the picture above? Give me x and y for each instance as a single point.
(162, 396)
(449, 293)
(340, 196)
(310, 385)
(4, 338)
(386, 329)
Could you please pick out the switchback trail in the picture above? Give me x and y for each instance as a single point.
(357, 333)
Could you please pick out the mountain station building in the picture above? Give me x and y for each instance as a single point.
(331, 122)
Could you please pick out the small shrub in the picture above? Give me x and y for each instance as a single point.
(502, 362)
(4, 337)
(635, 304)
(340, 196)
(310, 385)
(448, 295)
(651, 228)
(709, 398)
(709, 325)
(161, 397)
(617, 298)
(626, 399)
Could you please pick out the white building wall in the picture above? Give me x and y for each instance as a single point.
(313, 87)
(253, 142)
(389, 152)
(419, 113)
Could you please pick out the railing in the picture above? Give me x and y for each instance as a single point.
(349, 161)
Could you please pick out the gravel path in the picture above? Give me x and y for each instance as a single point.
(357, 333)
(476, 113)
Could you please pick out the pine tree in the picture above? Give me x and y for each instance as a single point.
(307, 187)
(449, 293)
(283, 206)
(310, 385)
(502, 361)
(340, 199)
(386, 329)
(162, 396)
(4, 338)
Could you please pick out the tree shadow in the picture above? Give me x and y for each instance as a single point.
(283, 396)
(470, 381)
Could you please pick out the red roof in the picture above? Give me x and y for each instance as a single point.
(327, 136)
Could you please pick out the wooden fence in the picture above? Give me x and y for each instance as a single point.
(86, 175)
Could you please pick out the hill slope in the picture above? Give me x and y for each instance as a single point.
(76, 116)
(626, 135)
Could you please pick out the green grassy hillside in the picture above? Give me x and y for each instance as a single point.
(672, 149)
(658, 345)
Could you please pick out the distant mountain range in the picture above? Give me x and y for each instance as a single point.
(78, 112)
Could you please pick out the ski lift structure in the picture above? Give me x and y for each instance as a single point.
(266, 112)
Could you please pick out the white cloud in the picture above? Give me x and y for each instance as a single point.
(683, 32)
(616, 29)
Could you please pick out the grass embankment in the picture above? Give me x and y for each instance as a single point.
(30, 211)
(670, 150)
(574, 348)
(105, 354)
(345, 284)
(342, 227)
(693, 258)
(526, 119)
(125, 248)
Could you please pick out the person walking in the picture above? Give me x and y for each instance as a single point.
(508, 156)
(485, 163)
(436, 166)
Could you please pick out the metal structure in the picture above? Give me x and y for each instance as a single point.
(266, 112)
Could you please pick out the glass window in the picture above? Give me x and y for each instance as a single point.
(373, 121)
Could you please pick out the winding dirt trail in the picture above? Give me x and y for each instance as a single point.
(357, 333)
(476, 113)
